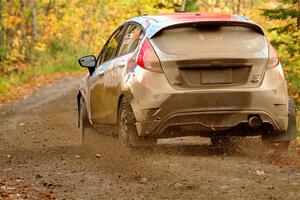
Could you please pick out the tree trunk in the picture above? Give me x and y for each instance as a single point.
(217, 4)
(49, 7)
(238, 7)
(183, 3)
(33, 15)
(251, 4)
(1, 26)
(25, 46)
(93, 16)
(232, 6)
(298, 17)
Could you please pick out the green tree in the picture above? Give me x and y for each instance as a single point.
(192, 5)
(285, 36)
(189, 5)
(289, 12)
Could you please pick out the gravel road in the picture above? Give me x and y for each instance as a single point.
(41, 158)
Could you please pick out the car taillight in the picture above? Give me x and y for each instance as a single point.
(273, 58)
(274, 61)
(148, 59)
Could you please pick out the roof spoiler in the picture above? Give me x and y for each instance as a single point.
(254, 26)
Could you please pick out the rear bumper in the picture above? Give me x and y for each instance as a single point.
(207, 121)
(157, 106)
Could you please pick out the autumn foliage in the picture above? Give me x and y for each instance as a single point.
(38, 38)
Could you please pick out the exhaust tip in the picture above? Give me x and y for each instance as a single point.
(254, 121)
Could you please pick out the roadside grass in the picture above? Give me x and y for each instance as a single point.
(56, 64)
(18, 79)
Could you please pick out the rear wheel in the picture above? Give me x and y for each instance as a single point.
(127, 130)
(84, 123)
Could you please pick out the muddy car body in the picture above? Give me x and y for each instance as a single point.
(183, 74)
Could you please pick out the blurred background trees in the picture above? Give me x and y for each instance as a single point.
(47, 36)
(285, 36)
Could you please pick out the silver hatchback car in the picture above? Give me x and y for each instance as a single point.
(213, 75)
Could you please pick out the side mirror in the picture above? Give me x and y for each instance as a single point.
(87, 61)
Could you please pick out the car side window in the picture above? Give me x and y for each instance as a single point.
(132, 39)
(110, 49)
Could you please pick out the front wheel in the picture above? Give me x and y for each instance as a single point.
(127, 130)
(84, 123)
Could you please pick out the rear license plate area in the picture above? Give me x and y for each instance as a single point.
(216, 76)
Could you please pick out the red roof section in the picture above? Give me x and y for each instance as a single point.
(200, 17)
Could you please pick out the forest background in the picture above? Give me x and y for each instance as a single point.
(42, 39)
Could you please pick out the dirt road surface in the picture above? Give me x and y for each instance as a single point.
(41, 158)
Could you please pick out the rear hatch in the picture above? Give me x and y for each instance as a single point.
(212, 55)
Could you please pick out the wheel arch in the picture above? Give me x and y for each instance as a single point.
(79, 97)
(119, 102)
(128, 97)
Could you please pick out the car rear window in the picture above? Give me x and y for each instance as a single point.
(210, 39)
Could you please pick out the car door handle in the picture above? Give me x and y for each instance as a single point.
(100, 73)
(120, 64)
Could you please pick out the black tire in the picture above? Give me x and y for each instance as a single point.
(84, 123)
(127, 132)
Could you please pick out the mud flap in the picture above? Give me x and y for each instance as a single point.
(78, 108)
(291, 132)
